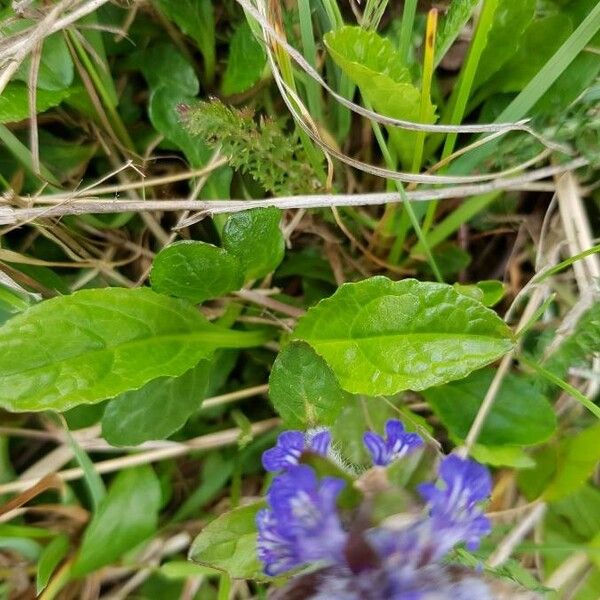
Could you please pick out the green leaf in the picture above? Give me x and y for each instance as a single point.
(452, 24)
(538, 43)
(577, 459)
(520, 415)
(511, 18)
(579, 347)
(196, 271)
(56, 66)
(502, 456)
(376, 67)
(381, 336)
(254, 237)
(50, 558)
(95, 344)
(14, 101)
(127, 516)
(303, 389)
(196, 19)
(245, 63)
(229, 544)
(164, 66)
(157, 410)
(163, 110)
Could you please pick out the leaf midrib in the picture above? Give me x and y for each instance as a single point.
(203, 335)
(427, 336)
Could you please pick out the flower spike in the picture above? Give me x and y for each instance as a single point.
(302, 524)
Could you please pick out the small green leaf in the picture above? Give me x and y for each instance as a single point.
(303, 389)
(95, 344)
(229, 544)
(459, 12)
(376, 67)
(50, 558)
(164, 116)
(164, 66)
(196, 271)
(511, 18)
(127, 516)
(254, 237)
(245, 63)
(577, 459)
(521, 415)
(542, 38)
(196, 19)
(157, 410)
(502, 456)
(381, 336)
(14, 101)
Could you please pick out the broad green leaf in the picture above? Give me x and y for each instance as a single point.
(14, 101)
(254, 237)
(520, 415)
(164, 66)
(381, 336)
(157, 410)
(303, 389)
(196, 271)
(376, 67)
(245, 63)
(229, 544)
(452, 24)
(196, 19)
(55, 70)
(511, 18)
(538, 43)
(584, 69)
(127, 516)
(50, 558)
(577, 459)
(56, 66)
(95, 344)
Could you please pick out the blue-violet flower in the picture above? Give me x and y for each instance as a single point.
(454, 510)
(302, 524)
(291, 444)
(394, 446)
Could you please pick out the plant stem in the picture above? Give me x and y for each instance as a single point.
(460, 95)
(407, 205)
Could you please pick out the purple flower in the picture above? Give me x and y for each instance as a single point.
(454, 510)
(302, 524)
(290, 446)
(394, 446)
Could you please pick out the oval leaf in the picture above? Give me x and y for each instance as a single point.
(376, 67)
(303, 388)
(157, 410)
(127, 516)
(381, 336)
(229, 544)
(521, 415)
(254, 237)
(196, 271)
(95, 344)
